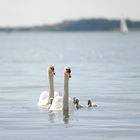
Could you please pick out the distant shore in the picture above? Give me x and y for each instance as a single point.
(78, 25)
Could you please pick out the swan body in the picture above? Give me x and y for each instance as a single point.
(57, 104)
(44, 99)
(46, 96)
(64, 103)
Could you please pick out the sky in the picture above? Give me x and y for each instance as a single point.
(38, 12)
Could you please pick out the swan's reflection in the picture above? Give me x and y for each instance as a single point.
(57, 116)
(66, 116)
(54, 117)
(51, 117)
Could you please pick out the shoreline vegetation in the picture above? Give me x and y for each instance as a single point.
(78, 25)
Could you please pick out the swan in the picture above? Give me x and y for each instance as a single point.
(91, 104)
(63, 103)
(46, 97)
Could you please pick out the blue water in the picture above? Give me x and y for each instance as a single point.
(105, 68)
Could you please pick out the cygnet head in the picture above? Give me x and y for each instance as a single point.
(67, 72)
(74, 100)
(89, 103)
(51, 69)
(77, 101)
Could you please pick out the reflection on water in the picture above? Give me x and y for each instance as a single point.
(58, 116)
(52, 117)
(66, 116)
(55, 116)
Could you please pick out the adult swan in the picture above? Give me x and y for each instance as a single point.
(46, 97)
(64, 103)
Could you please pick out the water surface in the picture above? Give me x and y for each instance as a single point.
(105, 68)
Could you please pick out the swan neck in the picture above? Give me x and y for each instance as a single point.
(66, 93)
(51, 85)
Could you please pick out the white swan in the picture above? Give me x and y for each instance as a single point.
(46, 97)
(64, 102)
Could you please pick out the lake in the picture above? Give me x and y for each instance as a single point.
(105, 68)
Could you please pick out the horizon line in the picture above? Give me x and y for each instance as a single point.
(65, 20)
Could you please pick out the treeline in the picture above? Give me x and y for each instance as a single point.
(79, 25)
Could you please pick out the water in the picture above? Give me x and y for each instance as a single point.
(105, 67)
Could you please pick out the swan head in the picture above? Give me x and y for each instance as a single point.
(67, 72)
(51, 69)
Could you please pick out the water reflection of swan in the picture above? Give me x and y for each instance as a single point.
(46, 97)
(64, 102)
(66, 116)
(55, 117)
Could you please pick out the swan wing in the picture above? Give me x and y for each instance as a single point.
(43, 99)
(57, 103)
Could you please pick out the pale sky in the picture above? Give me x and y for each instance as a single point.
(36, 12)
